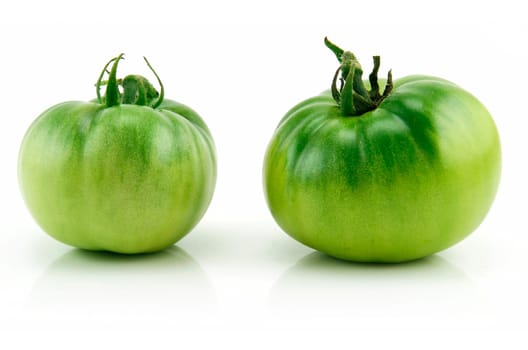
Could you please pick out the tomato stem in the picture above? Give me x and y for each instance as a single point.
(137, 90)
(352, 96)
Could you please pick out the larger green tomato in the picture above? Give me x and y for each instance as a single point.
(383, 177)
(130, 172)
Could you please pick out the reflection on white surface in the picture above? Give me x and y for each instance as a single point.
(84, 282)
(318, 285)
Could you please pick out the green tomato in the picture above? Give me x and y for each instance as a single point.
(132, 173)
(390, 177)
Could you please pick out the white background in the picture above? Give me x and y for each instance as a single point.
(237, 281)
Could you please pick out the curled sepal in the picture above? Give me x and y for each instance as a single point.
(100, 80)
(161, 94)
(388, 86)
(373, 79)
(112, 94)
(336, 93)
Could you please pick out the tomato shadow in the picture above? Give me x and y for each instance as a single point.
(319, 285)
(117, 284)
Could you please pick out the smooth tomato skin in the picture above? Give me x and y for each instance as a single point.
(408, 179)
(127, 178)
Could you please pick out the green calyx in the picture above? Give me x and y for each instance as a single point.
(352, 95)
(132, 89)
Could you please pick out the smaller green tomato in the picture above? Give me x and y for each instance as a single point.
(390, 176)
(130, 172)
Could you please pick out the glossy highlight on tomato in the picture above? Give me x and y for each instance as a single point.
(382, 177)
(130, 172)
